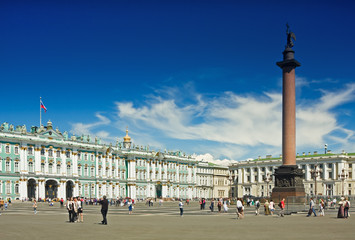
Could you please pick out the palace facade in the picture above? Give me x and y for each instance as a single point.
(324, 174)
(45, 163)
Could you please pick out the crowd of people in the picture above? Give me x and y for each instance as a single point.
(75, 206)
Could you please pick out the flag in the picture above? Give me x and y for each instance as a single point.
(42, 106)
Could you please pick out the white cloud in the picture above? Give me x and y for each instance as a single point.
(87, 129)
(230, 125)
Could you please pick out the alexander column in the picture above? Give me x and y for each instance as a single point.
(288, 177)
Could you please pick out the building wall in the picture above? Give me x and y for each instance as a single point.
(38, 162)
(255, 177)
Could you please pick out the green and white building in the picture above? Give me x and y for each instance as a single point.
(45, 163)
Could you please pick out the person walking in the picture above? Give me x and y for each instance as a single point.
(321, 207)
(346, 207)
(341, 208)
(181, 207)
(225, 206)
(80, 210)
(266, 208)
(240, 209)
(70, 209)
(104, 209)
(257, 207)
(212, 205)
(34, 206)
(130, 207)
(219, 205)
(272, 207)
(311, 208)
(282, 208)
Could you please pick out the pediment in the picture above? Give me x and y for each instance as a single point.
(51, 134)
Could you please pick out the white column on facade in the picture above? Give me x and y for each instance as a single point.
(63, 164)
(37, 159)
(177, 180)
(194, 170)
(334, 172)
(41, 189)
(97, 166)
(116, 170)
(148, 172)
(260, 178)
(307, 173)
(104, 159)
(46, 162)
(240, 175)
(252, 175)
(189, 173)
(165, 171)
(164, 190)
(159, 171)
(37, 190)
(23, 159)
(325, 174)
(23, 188)
(75, 163)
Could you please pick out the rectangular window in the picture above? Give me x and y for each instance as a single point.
(16, 167)
(30, 167)
(330, 175)
(30, 151)
(92, 173)
(8, 188)
(17, 188)
(16, 150)
(79, 171)
(42, 167)
(58, 169)
(58, 154)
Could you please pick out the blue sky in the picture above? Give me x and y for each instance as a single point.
(196, 76)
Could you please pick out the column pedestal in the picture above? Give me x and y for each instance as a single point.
(288, 182)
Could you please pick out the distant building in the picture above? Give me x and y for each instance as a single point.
(335, 174)
(221, 184)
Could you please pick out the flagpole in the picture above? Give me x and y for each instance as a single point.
(40, 112)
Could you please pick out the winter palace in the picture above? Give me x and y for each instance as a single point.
(45, 163)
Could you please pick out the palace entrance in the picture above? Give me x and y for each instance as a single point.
(158, 191)
(51, 189)
(31, 189)
(69, 189)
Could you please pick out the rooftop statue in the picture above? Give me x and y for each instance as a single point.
(290, 36)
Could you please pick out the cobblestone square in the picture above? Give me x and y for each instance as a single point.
(164, 222)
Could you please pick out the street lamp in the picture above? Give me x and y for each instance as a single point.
(342, 177)
(325, 148)
(230, 184)
(267, 179)
(315, 173)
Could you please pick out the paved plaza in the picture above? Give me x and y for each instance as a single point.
(164, 222)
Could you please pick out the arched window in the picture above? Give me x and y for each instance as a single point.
(67, 154)
(17, 188)
(7, 166)
(58, 168)
(7, 149)
(42, 167)
(79, 170)
(85, 157)
(30, 151)
(42, 151)
(68, 169)
(86, 171)
(30, 167)
(16, 150)
(92, 172)
(58, 153)
(50, 153)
